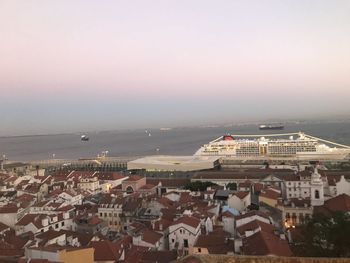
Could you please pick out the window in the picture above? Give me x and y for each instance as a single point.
(180, 231)
(56, 226)
(317, 194)
(199, 250)
(101, 214)
(172, 240)
(185, 243)
(62, 224)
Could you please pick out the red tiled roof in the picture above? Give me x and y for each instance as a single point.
(25, 197)
(241, 194)
(258, 187)
(134, 178)
(254, 225)
(166, 182)
(65, 208)
(158, 256)
(339, 203)
(188, 220)
(271, 194)
(245, 184)
(107, 250)
(162, 222)
(50, 234)
(264, 243)
(216, 244)
(252, 174)
(90, 220)
(3, 227)
(9, 209)
(151, 236)
(185, 197)
(227, 214)
(18, 241)
(251, 213)
(147, 187)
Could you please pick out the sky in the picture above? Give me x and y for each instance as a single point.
(83, 65)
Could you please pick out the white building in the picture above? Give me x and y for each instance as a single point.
(250, 216)
(299, 185)
(90, 184)
(183, 234)
(239, 200)
(39, 223)
(70, 198)
(316, 187)
(111, 213)
(228, 222)
(149, 238)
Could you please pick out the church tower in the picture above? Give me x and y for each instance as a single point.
(317, 195)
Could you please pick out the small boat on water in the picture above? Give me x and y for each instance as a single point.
(271, 127)
(84, 138)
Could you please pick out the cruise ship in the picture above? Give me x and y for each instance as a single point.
(289, 145)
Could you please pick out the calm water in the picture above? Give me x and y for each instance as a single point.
(179, 141)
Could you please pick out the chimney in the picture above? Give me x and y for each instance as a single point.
(65, 215)
(44, 221)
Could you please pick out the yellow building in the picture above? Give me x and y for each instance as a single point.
(269, 197)
(61, 254)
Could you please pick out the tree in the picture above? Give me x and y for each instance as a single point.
(325, 237)
(198, 186)
(231, 186)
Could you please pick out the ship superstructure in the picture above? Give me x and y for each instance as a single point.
(292, 145)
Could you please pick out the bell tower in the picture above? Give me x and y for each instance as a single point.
(317, 195)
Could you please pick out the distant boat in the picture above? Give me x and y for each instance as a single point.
(165, 129)
(271, 127)
(149, 135)
(84, 138)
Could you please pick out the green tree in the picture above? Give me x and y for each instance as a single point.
(325, 237)
(232, 186)
(198, 186)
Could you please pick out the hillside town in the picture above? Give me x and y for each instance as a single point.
(129, 216)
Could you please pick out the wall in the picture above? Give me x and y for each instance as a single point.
(229, 224)
(260, 259)
(9, 219)
(269, 201)
(246, 220)
(85, 255)
(343, 186)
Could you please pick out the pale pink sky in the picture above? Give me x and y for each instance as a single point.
(160, 58)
